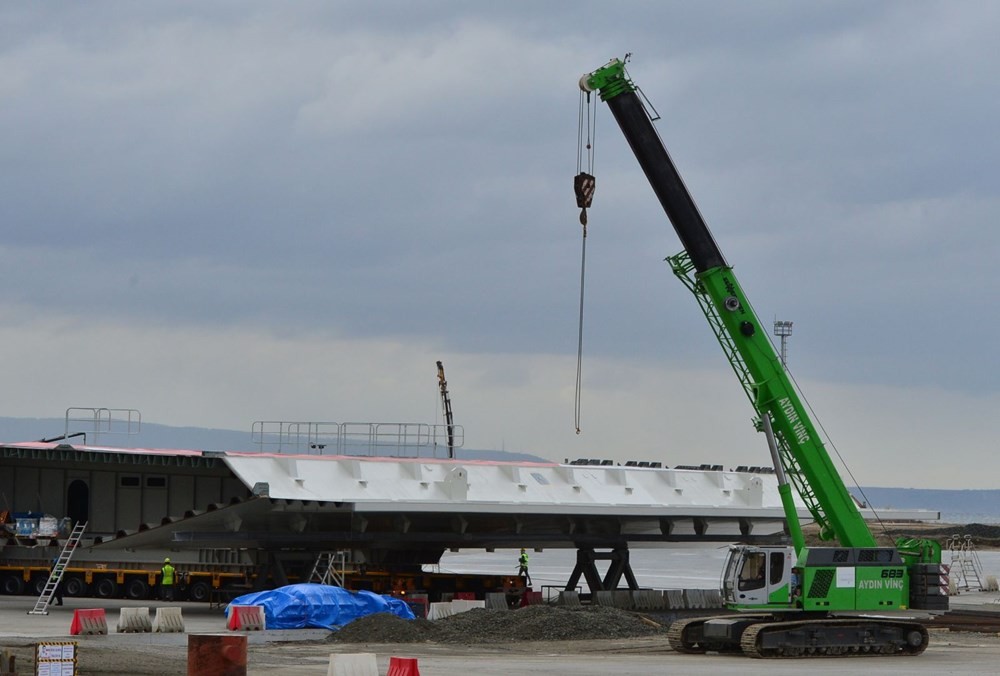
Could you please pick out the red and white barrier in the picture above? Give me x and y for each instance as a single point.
(89, 621)
(246, 618)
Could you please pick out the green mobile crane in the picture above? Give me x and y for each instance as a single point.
(799, 600)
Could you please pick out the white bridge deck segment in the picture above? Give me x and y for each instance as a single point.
(410, 509)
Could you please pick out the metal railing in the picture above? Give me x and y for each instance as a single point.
(399, 440)
(98, 421)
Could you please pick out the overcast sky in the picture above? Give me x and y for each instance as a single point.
(223, 212)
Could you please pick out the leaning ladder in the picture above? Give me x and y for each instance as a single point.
(58, 569)
(325, 572)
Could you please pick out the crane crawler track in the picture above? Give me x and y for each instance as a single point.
(852, 637)
(675, 637)
(693, 642)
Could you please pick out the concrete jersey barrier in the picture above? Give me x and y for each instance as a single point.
(134, 621)
(353, 664)
(168, 621)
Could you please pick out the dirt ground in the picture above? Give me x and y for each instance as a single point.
(313, 657)
(622, 655)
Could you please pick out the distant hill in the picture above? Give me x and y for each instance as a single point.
(152, 435)
(972, 504)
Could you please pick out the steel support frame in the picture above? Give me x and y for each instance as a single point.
(586, 566)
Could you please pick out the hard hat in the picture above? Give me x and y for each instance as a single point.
(166, 560)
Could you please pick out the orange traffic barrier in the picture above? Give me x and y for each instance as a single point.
(88, 621)
(403, 666)
(246, 618)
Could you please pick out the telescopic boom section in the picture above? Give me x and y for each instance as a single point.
(751, 353)
(619, 93)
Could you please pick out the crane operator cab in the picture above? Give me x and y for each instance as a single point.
(760, 577)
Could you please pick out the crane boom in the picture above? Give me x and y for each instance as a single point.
(446, 407)
(751, 353)
(799, 586)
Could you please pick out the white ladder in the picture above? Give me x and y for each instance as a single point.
(325, 572)
(58, 569)
(965, 563)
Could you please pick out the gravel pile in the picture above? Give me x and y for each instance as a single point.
(983, 535)
(980, 530)
(986, 536)
(534, 623)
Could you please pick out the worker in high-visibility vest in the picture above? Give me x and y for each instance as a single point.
(57, 593)
(168, 575)
(522, 566)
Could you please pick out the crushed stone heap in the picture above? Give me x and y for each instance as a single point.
(533, 623)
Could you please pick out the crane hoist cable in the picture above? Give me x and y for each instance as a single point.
(579, 343)
(584, 184)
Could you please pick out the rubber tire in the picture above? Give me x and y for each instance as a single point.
(136, 589)
(199, 591)
(105, 588)
(12, 585)
(75, 586)
(37, 584)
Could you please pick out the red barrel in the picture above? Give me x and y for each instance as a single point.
(217, 655)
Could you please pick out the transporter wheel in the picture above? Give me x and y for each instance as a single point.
(11, 584)
(106, 588)
(75, 586)
(136, 589)
(37, 584)
(199, 591)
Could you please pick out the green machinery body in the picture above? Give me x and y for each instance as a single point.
(854, 573)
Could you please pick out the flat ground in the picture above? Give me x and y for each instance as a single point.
(948, 653)
(308, 651)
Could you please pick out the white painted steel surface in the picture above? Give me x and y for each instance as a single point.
(384, 484)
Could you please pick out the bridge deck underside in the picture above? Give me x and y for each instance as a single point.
(269, 523)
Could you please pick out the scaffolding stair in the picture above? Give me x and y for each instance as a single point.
(329, 568)
(965, 563)
(58, 569)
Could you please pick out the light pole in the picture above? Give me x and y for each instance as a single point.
(783, 330)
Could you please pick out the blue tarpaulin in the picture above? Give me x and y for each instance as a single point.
(297, 606)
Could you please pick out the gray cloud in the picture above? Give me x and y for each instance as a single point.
(385, 170)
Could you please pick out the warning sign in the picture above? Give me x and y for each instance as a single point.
(55, 658)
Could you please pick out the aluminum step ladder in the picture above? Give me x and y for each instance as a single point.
(325, 570)
(965, 563)
(58, 569)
